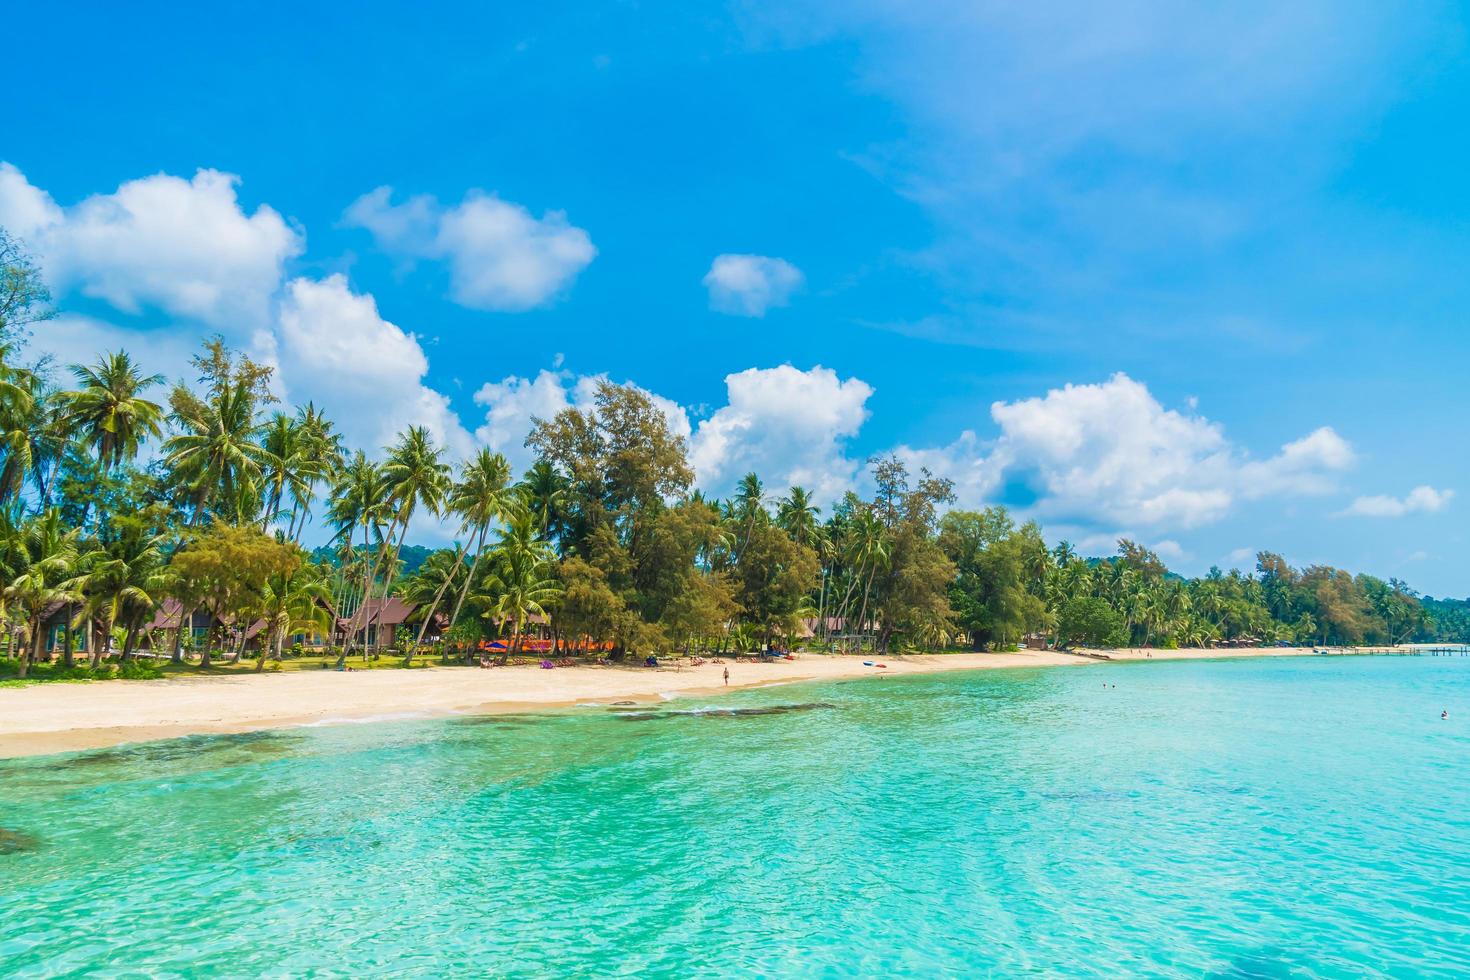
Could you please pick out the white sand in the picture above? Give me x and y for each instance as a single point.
(59, 717)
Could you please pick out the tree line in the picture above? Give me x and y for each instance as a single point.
(121, 493)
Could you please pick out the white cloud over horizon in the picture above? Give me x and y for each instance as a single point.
(749, 285)
(1088, 456)
(500, 256)
(336, 349)
(790, 426)
(1110, 454)
(1420, 500)
(186, 247)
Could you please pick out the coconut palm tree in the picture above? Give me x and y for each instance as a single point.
(291, 601)
(323, 458)
(797, 516)
(216, 454)
(359, 499)
(870, 551)
(39, 568)
(481, 497)
(520, 582)
(107, 410)
(21, 396)
(747, 507)
(286, 465)
(414, 474)
(125, 582)
(545, 491)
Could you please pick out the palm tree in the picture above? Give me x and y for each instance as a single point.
(286, 464)
(748, 506)
(480, 498)
(520, 583)
(39, 566)
(215, 455)
(292, 601)
(869, 550)
(108, 411)
(126, 581)
(20, 400)
(359, 499)
(797, 516)
(322, 450)
(545, 491)
(414, 474)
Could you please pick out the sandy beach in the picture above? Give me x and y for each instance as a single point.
(47, 718)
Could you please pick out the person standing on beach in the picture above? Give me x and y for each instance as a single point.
(727, 676)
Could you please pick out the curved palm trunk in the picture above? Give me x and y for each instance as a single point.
(474, 567)
(434, 607)
(369, 572)
(23, 659)
(186, 619)
(68, 650)
(94, 636)
(867, 591)
(128, 638)
(239, 649)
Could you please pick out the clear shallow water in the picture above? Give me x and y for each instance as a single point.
(1301, 817)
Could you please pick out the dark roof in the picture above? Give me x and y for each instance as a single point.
(168, 615)
(391, 611)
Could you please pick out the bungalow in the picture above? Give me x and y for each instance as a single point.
(826, 626)
(54, 621)
(375, 623)
(197, 630)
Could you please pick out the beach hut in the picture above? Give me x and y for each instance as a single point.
(375, 623)
(198, 628)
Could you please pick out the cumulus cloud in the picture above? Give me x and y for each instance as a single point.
(1110, 454)
(72, 339)
(1420, 500)
(513, 403)
(338, 351)
(789, 425)
(500, 256)
(185, 246)
(748, 285)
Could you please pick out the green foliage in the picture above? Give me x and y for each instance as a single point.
(1090, 621)
(602, 543)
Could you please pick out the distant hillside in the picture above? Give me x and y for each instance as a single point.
(411, 557)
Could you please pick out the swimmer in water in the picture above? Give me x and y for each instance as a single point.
(1444, 715)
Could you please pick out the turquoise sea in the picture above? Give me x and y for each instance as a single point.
(1252, 818)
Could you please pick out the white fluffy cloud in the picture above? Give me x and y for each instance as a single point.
(185, 246)
(1420, 500)
(748, 285)
(337, 350)
(788, 425)
(500, 256)
(71, 339)
(1110, 454)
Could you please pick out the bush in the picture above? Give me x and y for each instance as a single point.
(135, 670)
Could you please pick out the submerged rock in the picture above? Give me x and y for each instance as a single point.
(15, 842)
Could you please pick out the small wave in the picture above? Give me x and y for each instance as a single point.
(364, 719)
(713, 711)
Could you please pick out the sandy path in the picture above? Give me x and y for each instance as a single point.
(46, 718)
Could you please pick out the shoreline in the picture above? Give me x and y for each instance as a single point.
(53, 718)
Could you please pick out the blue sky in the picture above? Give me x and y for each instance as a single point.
(1196, 276)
